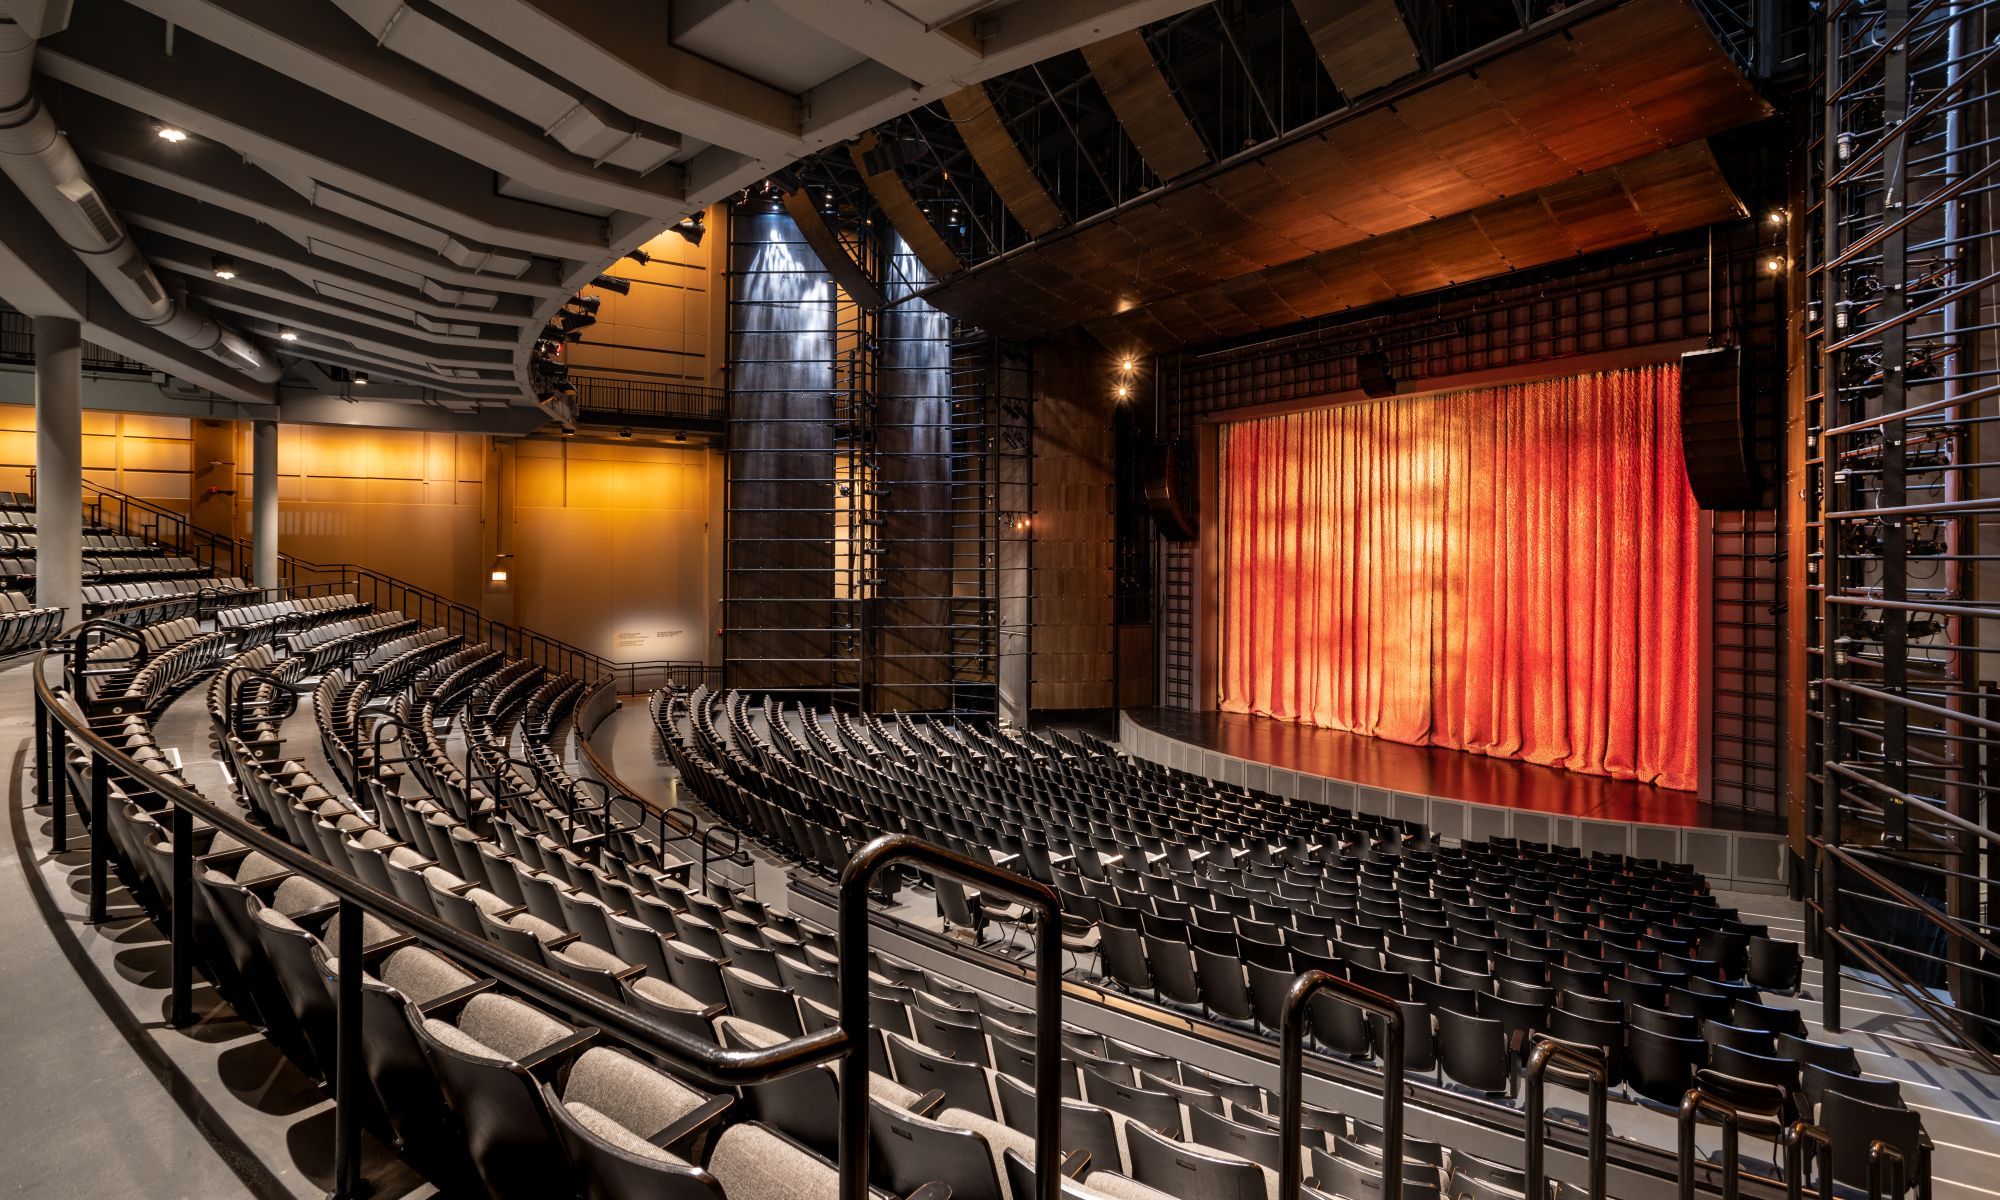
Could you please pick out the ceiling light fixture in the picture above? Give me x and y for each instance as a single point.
(361, 379)
(691, 228)
(288, 334)
(223, 266)
(170, 133)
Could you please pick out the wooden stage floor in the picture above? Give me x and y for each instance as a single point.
(1450, 774)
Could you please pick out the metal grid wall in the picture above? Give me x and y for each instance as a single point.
(799, 437)
(1899, 442)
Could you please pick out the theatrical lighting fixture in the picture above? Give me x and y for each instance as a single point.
(288, 334)
(573, 321)
(553, 332)
(1775, 217)
(223, 266)
(611, 283)
(625, 432)
(1127, 364)
(498, 572)
(585, 303)
(170, 133)
(361, 379)
(1773, 265)
(680, 435)
(1124, 392)
(639, 256)
(691, 229)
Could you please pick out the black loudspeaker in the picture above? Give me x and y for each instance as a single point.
(1717, 431)
(1171, 476)
(1372, 372)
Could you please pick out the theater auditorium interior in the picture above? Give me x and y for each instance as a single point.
(1250, 600)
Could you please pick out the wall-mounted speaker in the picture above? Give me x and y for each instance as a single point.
(1371, 371)
(1718, 431)
(1171, 477)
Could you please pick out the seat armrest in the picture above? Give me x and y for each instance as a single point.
(446, 1006)
(931, 1191)
(1075, 1163)
(550, 1059)
(928, 1103)
(684, 1137)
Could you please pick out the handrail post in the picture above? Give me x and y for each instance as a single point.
(1795, 1138)
(59, 782)
(181, 942)
(41, 752)
(100, 837)
(1291, 1078)
(347, 1052)
(1573, 1061)
(1882, 1159)
(853, 896)
(1693, 1104)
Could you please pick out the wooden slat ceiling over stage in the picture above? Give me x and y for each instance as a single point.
(1549, 118)
(1130, 77)
(1363, 44)
(903, 211)
(1667, 192)
(999, 158)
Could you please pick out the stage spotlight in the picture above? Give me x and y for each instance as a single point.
(171, 133)
(691, 228)
(639, 256)
(223, 266)
(288, 334)
(587, 304)
(573, 321)
(625, 432)
(611, 283)
(680, 436)
(1775, 217)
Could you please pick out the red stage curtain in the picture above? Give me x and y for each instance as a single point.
(1509, 571)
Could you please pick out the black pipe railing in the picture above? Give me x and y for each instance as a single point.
(860, 872)
(1571, 1063)
(1728, 1111)
(1291, 1077)
(58, 727)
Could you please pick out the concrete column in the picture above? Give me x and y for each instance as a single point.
(264, 503)
(59, 465)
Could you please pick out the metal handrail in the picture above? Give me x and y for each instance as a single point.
(1571, 1062)
(705, 1061)
(1291, 1077)
(1699, 1101)
(892, 848)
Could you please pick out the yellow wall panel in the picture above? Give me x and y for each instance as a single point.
(153, 454)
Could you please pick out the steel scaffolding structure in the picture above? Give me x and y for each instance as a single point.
(878, 481)
(1901, 418)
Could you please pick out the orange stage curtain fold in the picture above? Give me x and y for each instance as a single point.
(1509, 571)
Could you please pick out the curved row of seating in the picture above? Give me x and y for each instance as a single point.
(1485, 946)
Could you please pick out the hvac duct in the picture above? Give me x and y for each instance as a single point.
(42, 163)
